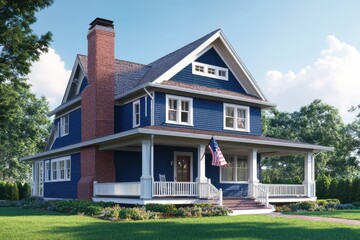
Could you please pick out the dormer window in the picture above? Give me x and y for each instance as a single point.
(211, 71)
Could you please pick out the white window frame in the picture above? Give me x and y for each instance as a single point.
(64, 128)
(178, 110)
(67, 166)
(135, 103)
(206, 68)
(47, 171)
(247, 117)
(236, 157)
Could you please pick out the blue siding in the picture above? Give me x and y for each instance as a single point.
(74, 135)
(163, 155)
(127, 166)
(66, 189)
(84, 84)
(213, 172)
(124, 115)
(210, 57)
(204, 110)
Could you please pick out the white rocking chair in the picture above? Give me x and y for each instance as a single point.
(163, 185)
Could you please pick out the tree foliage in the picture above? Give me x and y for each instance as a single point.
(24, 125)
(316, 123)
(24, 129)
(19, 46)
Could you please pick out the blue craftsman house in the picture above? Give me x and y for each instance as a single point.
(136, 134)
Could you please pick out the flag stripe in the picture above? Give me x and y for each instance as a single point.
(218, 158)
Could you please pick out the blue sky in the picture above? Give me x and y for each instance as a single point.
(277, 40)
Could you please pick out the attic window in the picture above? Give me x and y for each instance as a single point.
(211, 71)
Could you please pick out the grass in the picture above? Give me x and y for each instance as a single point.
(346, 214)
(17, 223)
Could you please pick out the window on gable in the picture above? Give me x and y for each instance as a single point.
(47, 171)
(136, 113)
(64, 125)
(178, 110)
(236, 117)
(236, 170)
(211, 71)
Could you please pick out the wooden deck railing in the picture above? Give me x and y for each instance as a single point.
(284, 189)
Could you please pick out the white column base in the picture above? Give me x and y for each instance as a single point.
(251, 187)
(146, 187)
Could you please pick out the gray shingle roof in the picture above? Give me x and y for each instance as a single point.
(129, 74)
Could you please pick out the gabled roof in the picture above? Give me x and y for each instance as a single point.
(130, 76)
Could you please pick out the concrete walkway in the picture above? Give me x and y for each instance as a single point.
(315, 218)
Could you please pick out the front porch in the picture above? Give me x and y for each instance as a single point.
(139, 162)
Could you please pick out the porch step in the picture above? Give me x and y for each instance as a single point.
(237, 203)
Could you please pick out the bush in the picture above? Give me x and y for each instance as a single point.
(283, 208)
(333, 188)
(2, 190)
(344, 206)
(134, 213)
(36, 203)
(9, 203)
(165, 209)
(111, 212)
(24, 190)
(11, 191)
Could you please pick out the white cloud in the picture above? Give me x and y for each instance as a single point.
(334, 77)
(49, 77)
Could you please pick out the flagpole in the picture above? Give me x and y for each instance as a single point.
(206, 145)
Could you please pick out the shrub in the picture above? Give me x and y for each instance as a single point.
(11, 191)
(344, 206)
(134, 213)
(215, 211)
(183, 212)
(333, 188)
(355, 190)
(9, 203)
(111, 212)
(322, 186)
(36, 203)
(165, 209)
(356, 204)
(2, 190)
(283, 208)
(24, 190)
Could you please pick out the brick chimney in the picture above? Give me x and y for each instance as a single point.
(97, 107)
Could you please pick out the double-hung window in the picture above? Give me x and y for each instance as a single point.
(236, 117)
(136, 113)
(236, 169)
(179, 110)
(60, 169)
(64, 125)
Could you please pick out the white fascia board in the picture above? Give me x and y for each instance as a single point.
(242, 65)
(64, 106)
(235, 139)
(216, 95)
(76, 147)
(186, 60)
(73, 71)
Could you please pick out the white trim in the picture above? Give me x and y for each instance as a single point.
(67, 112)
(64, 106)
(57, 170)
(134, 113)
(236, 107)
(187, 154)
(235, 167)
(216, 96)
(178, 110)
(206, 68)
(145, 102)
(152, 109)
(64, 126)
(47, 170)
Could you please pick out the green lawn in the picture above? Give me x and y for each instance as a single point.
(347, 214)
(17, 223)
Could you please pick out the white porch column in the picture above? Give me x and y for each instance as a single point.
(201, 178)
(253, 180)
(201, 164)
(309, 175)
(146, 178)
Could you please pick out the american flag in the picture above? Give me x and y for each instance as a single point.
(217, 156)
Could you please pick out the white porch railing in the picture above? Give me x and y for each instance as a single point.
(261, 195)
(175, 189)
(117, 189)
(284, 189)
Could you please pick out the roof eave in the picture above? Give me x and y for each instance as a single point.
(261, 103)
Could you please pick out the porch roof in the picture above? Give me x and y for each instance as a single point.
(186, 137)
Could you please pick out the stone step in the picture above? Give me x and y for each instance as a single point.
(234, 203)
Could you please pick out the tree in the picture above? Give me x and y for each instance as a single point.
(322, 186)
(19, 46)
(316, 123)
(24, 126)
(23, 132)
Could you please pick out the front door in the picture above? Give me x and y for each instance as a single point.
(182, 168)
